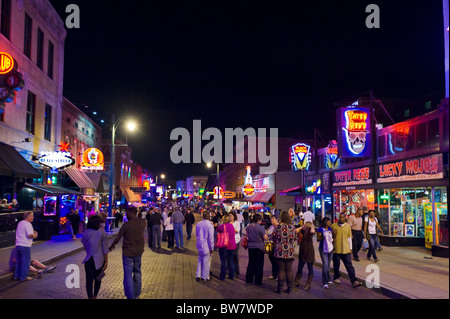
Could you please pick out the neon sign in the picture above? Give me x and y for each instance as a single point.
(92, 159)
(315, 188)
(332, 157)
(6, 63)
(248, 189)
(300, 156)
(355, 134)
(56, 160)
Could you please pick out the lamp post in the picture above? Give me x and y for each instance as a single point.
(115, 125)
(209, 165)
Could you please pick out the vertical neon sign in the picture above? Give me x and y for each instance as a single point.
(355, 132)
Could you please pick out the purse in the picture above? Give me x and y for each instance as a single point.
(268, 247)
(222, 238)
(244, 242)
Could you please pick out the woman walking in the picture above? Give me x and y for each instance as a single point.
(256, 235)
(95, 242)
(370, 230)
(237, 237)
(284, 238)
(226, 253)
(306, 255)
(270, 232)
(325, 237)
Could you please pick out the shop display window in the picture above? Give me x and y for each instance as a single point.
(440, 199)
(350, 200)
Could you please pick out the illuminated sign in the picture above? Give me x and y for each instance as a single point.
(354, 128)
(398, 141)
(6, 63)
(430, 167)
(228, 194)
(218, 192)
(261, 185)
(315, 188)
(248, 190)
(146, 184)
(300, 156)
(332, 156)
(357, 176)
(92, 159)
(56, 160)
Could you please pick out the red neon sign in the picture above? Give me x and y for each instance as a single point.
(6, 63)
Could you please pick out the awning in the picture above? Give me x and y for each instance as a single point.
(261, 197)
(130, 196)
(14, 164)
(80, 178)
(294, 191)
(100, 181)
(51, 190)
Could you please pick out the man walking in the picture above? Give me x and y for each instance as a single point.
(178, 220)
(342, 234)
(190, 220)
(149, 227)
(355, 222)
(132, 250)
(205, 246)
(24, 240)
(156, 219)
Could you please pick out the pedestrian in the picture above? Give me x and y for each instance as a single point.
(132, 249)
(149, 227)
(377, 242)
(74, 218)
(245, 217)
(169, 230)
(325, 239)
(274, 222)
(237, 237)
(342, 236)
(256, 235)
(156, 220)
(24, 240)
(308, 216)
(204, 231)
(370, 231)
(178, 220)
(165, 214)
(306, 254)
(355, 222)
(190, 221)
(95, 243)
(226, 253)
(284, 239)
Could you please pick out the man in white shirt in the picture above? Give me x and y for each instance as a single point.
(24, 240)
(309, 216)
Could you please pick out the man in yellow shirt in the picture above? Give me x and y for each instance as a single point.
(342, 236)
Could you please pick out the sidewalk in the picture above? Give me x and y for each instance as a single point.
(405, 272)
(46, 252)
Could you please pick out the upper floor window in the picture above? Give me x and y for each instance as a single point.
(27, 36)
(51, 53)
(5, 27)
(40, 49)
(31, 112)
(48, 123)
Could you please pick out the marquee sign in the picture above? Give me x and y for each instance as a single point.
(228, 194)
(354, 131)
(92, 159)
(356, 176)
(429, 167)
(56, 160)
(300, 156)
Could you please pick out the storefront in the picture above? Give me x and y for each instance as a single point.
(412, 198)
(353, 189)
(318, 196)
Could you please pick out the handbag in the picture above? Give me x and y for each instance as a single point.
(222, 238)
(365, 244)
(268, 247)
(244, 242)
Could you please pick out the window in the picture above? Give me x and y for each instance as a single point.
(68, 120)
(421, 135)
(76, 125)
(5, 27)
(51, 49)
(31, 112)
(406, 113)
(433, 133)
(27, 36)
(40, 49)
(48, 122)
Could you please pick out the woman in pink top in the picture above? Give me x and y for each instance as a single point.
(226, 253)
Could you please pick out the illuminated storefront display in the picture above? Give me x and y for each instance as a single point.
(300, 157)
(354, 133)
(92, 159)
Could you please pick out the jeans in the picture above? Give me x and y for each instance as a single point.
(156, 235)
(255, 266)
(92, 284)
(236, 259)
(310, 266)
(170, 238)
(347, 260)
(188, 231)
(372, 248)
(357, 242)
(326, 265)
(274, 263)
(226, 263)
(132, 276)
(150, 235)
(203, 266)
(285, 272)
(178, 229)
(23, 262)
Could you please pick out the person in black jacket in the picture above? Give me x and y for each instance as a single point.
(156, 220)
(149, 226)
(190, 221)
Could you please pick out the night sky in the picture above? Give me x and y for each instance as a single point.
(231, 63)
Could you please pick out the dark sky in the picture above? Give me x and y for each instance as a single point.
(237, 63)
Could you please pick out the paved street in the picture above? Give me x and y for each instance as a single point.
(170, 274)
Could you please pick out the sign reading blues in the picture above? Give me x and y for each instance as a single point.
(354, 131)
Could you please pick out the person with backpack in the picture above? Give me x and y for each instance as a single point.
(370, 231)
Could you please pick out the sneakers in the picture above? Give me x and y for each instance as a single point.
(356, 284)
(326, 286)
(337, 281)
(377, 260)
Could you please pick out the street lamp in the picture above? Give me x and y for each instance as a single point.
(115, 124)
(209, 165)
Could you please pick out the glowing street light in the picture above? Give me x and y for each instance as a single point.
(131, 126)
